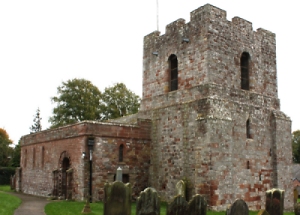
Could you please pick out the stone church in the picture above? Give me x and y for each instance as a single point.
(210, 114)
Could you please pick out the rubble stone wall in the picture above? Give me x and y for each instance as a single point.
(199, 131)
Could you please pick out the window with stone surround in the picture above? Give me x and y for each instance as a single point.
(25, 158)
(121, 152)
(43, 156)
(173, 76)
(248, 129)
(33, 158)
(245, 62)
(248, 165)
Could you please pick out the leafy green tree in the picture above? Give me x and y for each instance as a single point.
(296, 146)
(118, 101)
(16, 156)
(37, 125)
(77, 100)
(5, 149)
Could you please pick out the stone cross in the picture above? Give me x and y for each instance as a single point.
(119, 174)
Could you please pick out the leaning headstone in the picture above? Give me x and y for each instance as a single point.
(263, 212)
(117, 198)
(197, 205)
(178, 206)
(180, 188)
(297, 208)
(148, 203)
(274, 201)
(239, 207)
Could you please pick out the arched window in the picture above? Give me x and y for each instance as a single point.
(245, 61)
(248, 165)
(121, 151)
(25, 158)
(43, 156)
(173, 66)
(33, 161)
(248, 129)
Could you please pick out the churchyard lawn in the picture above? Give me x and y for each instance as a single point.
(8, 203)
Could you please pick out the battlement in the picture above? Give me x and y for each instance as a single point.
(208, 50)
(207, 19)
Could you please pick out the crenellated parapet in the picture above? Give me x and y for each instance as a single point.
(209, 49)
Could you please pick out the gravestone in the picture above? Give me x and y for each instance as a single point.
(239, 207)
(180, 188)
(297, 208)
(119, 175)
(148, 203)
(274, 201)
(197, 205)
(117, 198)
(263, 212)
(178, 206)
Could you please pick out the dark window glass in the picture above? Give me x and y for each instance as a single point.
(245, 71)
(173, 63)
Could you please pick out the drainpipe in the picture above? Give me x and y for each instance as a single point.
(91, 142)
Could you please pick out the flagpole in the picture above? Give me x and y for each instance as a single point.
(157, 15)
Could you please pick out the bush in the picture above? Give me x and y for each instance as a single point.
(5, 174)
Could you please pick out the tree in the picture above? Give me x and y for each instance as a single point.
(77, 100)
(296, 146)
(16, 156)
(37, 126)
(118, 101)
(5, 149)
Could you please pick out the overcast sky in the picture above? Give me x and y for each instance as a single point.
(43, 43)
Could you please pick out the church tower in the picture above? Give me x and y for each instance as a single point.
(210, 89)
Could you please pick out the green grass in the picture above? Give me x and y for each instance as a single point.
(5, 188)
(70, 208)
(8, 203)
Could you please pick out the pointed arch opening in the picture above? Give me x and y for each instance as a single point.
(43, 156)
(173, 68)
(245, 70)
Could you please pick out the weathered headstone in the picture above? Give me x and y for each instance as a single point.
(297, 208)
(197, 205)
(274, 201)
(148, 203)
(180, 188)
(178, 206)
(117, 198)
(263, 212)
(239, 207)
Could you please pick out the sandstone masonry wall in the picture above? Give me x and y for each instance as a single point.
(199, 131)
